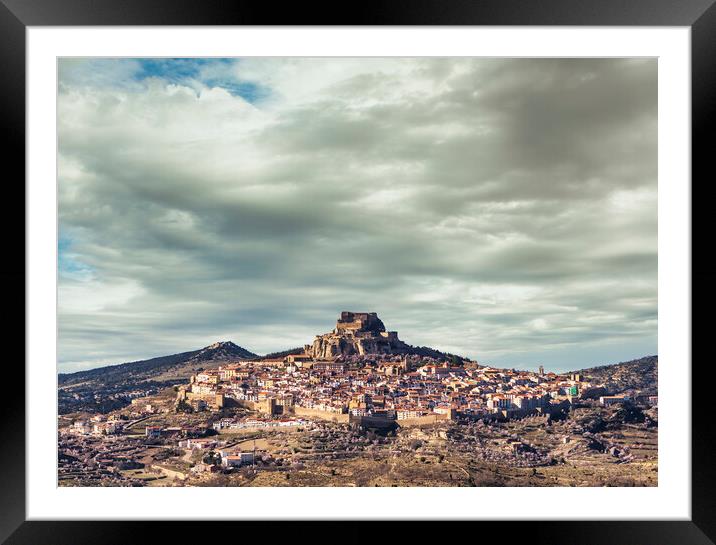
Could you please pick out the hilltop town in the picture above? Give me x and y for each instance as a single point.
(359, 407)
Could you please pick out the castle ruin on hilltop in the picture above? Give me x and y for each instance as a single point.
(356, 333)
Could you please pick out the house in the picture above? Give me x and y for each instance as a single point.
(208, 377)
(451, 412)
(495, 403)
(106, 428)
(201, 467)
(328, 366)
(611, 400)
(237, 459)
(200, 443)
(81, 427)
(404, 414)
(153, 431)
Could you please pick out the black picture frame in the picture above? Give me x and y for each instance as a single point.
(699, 15)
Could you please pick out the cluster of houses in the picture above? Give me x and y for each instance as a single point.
(397, 388)
(98, 425)
(255, 424)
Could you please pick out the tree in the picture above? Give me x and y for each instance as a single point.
(212, 458)
(183, 407)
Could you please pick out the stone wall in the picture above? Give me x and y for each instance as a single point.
(372, 421)
(422, 420)
(341, 418)
(364, 321)
(251, 405)
(215, 401)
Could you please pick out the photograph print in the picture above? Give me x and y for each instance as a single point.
(357, 272)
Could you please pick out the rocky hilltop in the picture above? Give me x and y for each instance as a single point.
(634, 375)
(176, 366)
(222, 351)
(111, 387)
(357, 333)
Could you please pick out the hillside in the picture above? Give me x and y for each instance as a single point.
(640, 374)
(165, 366)
(282, 353)
(107, 388)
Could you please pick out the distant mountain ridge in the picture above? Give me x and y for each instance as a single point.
(639, 374)
(154, 367)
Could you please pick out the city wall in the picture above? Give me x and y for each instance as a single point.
(344, 418)
(372, 421)
(323, 415)
(422, 420)
(251, 405)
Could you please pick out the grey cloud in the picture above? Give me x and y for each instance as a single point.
(464, 203)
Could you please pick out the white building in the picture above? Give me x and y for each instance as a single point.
(237, 459)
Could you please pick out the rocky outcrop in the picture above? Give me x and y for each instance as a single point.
(357, 333)
(223, 351)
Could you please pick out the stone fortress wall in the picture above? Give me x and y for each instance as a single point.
(364, 321)
(356, 333)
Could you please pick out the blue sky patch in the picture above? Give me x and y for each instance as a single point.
(67, 263)
(131, 73)
(210, 72)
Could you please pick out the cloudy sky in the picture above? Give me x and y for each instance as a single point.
(503, 209)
